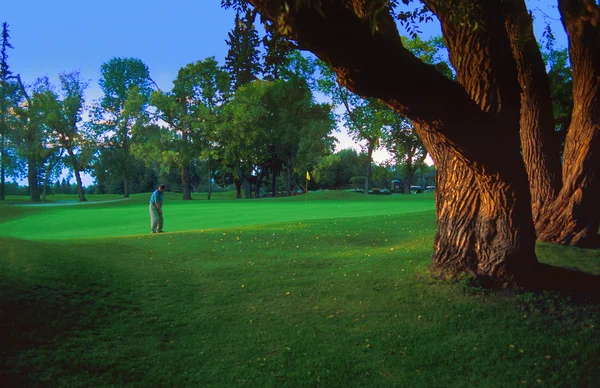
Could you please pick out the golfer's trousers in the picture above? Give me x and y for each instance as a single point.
(156, 219)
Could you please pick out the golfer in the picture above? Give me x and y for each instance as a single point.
(156, 214)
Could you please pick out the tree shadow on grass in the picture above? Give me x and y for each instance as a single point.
(46, 297)
(582, 286)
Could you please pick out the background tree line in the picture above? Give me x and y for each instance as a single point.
(243, 124)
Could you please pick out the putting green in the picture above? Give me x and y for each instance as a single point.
(131, 217)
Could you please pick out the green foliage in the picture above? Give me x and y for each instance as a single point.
(5, 71)
(278, 119)
(243, 60)
(126, 84)
(190, 112)
(277, 50)
(336, 171)
(561, 82)
(118, 78)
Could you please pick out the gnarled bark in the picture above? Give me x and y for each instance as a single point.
(564, 200)
(574, 217)
(538, 138)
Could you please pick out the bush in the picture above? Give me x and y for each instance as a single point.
(380, 192)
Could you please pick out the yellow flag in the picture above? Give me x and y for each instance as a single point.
(307, 176)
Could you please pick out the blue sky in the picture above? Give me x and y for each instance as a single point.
(53, 36)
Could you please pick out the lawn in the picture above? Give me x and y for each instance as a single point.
(333, 291)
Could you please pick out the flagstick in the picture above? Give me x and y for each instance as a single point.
(306, 188)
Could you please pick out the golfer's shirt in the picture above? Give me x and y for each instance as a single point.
(156, 197)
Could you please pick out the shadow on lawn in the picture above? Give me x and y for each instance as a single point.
(580, 285)
(41, 305)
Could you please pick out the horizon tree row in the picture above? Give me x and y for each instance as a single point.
(245, 125)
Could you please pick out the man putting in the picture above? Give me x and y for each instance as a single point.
(156, 214)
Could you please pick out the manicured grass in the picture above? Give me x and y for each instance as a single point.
(343, 299)
(131, 216)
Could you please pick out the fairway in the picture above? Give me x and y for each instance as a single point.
(333, 292)
(129, 217)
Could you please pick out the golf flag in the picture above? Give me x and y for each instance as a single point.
(307, 179)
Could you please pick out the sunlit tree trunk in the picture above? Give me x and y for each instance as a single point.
(538, 138)
(574, 217)
(484, 215)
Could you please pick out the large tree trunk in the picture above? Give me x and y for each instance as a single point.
(264, 172)
(46, 180)
(538, 138)
(574, 217)
(273, 183)
(238, 182)
(370, 147)
(410, 173)
(79, 185)
(3, 132)
(32, 179)
(185, 183)
(288, 174)
(125, 187)
(2, 172)
(471, 130)
(77, 173)
(185, 174)
(209, 194)
(247, 188)
(484, 222)
(242, 182)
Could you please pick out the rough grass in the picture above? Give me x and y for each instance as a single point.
(344, 299)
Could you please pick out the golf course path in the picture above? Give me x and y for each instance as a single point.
(68, 203)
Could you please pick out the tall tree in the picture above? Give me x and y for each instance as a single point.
(190, 110)
(407, 149)
(306, 125)
(243, 65)
(246, 130)
(30, 136)
(6, 90)
(473, 126)
(243, 57)
(364, 118)
(62, 113)
(127, 87)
